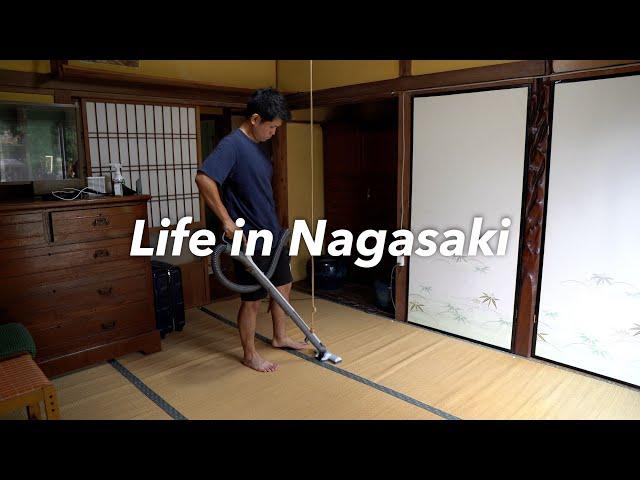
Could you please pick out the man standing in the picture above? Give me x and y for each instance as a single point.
(235, 181)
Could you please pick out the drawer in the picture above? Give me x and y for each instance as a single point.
(21, 289)
(26, 317)
(95, 223)
(136, 317)
(22, 230)
(51, 336)
(92, 328)
(97, 294)
(18, 262)
(38, 291)
(109, 292)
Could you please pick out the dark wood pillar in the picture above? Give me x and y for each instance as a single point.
(405, 68)
(279, 181)
(403, 197)
(537, 165)
(57, 68)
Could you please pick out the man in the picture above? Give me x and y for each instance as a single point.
(235, 181)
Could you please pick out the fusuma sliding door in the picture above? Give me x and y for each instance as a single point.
(589, 312)
(468, 161)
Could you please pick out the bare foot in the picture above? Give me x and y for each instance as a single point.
(260, 364)
(287, 342)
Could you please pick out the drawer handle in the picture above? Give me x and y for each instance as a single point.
(101, 221)
(101, 253)
(109, 326)
(105, 291)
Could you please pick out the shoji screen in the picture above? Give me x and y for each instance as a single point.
(589, 314)
(468, 161)
(154, 143)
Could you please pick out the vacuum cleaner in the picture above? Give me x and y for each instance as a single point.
(322, 353)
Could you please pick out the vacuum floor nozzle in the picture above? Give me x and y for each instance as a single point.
(330, 357)
(263, 280)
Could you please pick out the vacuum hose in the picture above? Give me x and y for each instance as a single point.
(226, 247)
(263, 278)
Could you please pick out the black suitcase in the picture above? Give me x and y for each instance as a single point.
(169, 301)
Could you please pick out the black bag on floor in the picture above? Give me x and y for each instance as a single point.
(169, 301)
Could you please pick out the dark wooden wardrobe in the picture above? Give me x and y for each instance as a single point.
(360, 172)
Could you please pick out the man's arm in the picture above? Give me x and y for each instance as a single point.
(209, 190)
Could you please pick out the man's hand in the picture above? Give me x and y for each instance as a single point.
(229, 227)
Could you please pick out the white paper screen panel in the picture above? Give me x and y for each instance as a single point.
(154, 143)
(468, 161)
(589, 315)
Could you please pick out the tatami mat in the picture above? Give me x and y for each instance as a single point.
(390, 370)
(99, 393)
(467, 380)
(199, 373)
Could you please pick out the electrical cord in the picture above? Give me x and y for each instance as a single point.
(72, 191)
(391, 287)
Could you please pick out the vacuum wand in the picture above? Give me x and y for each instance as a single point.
(323, 353)
(263, 279)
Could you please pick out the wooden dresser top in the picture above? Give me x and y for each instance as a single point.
(7, 206)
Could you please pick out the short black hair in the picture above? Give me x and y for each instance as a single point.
(269, 104)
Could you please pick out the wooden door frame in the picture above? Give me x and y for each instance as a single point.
(523, 318)
(539, 119)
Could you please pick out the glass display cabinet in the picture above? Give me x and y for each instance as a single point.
(38, 142)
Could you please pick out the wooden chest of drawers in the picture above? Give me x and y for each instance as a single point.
(66, 274)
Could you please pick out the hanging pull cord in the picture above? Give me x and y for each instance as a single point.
(313, 271)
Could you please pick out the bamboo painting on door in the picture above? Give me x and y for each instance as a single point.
(468, 161)
(589, 314)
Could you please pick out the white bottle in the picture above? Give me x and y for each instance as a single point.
(117, 179)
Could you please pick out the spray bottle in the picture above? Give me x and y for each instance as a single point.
(117, 179)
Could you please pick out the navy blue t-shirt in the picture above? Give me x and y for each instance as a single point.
(243, 172)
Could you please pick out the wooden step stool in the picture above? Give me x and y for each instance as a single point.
(22, 384)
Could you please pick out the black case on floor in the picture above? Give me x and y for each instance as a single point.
(169, 301)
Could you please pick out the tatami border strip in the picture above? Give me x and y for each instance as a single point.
(153, 396)
(352, 376)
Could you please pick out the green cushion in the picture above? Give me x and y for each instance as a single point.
(14, 340)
